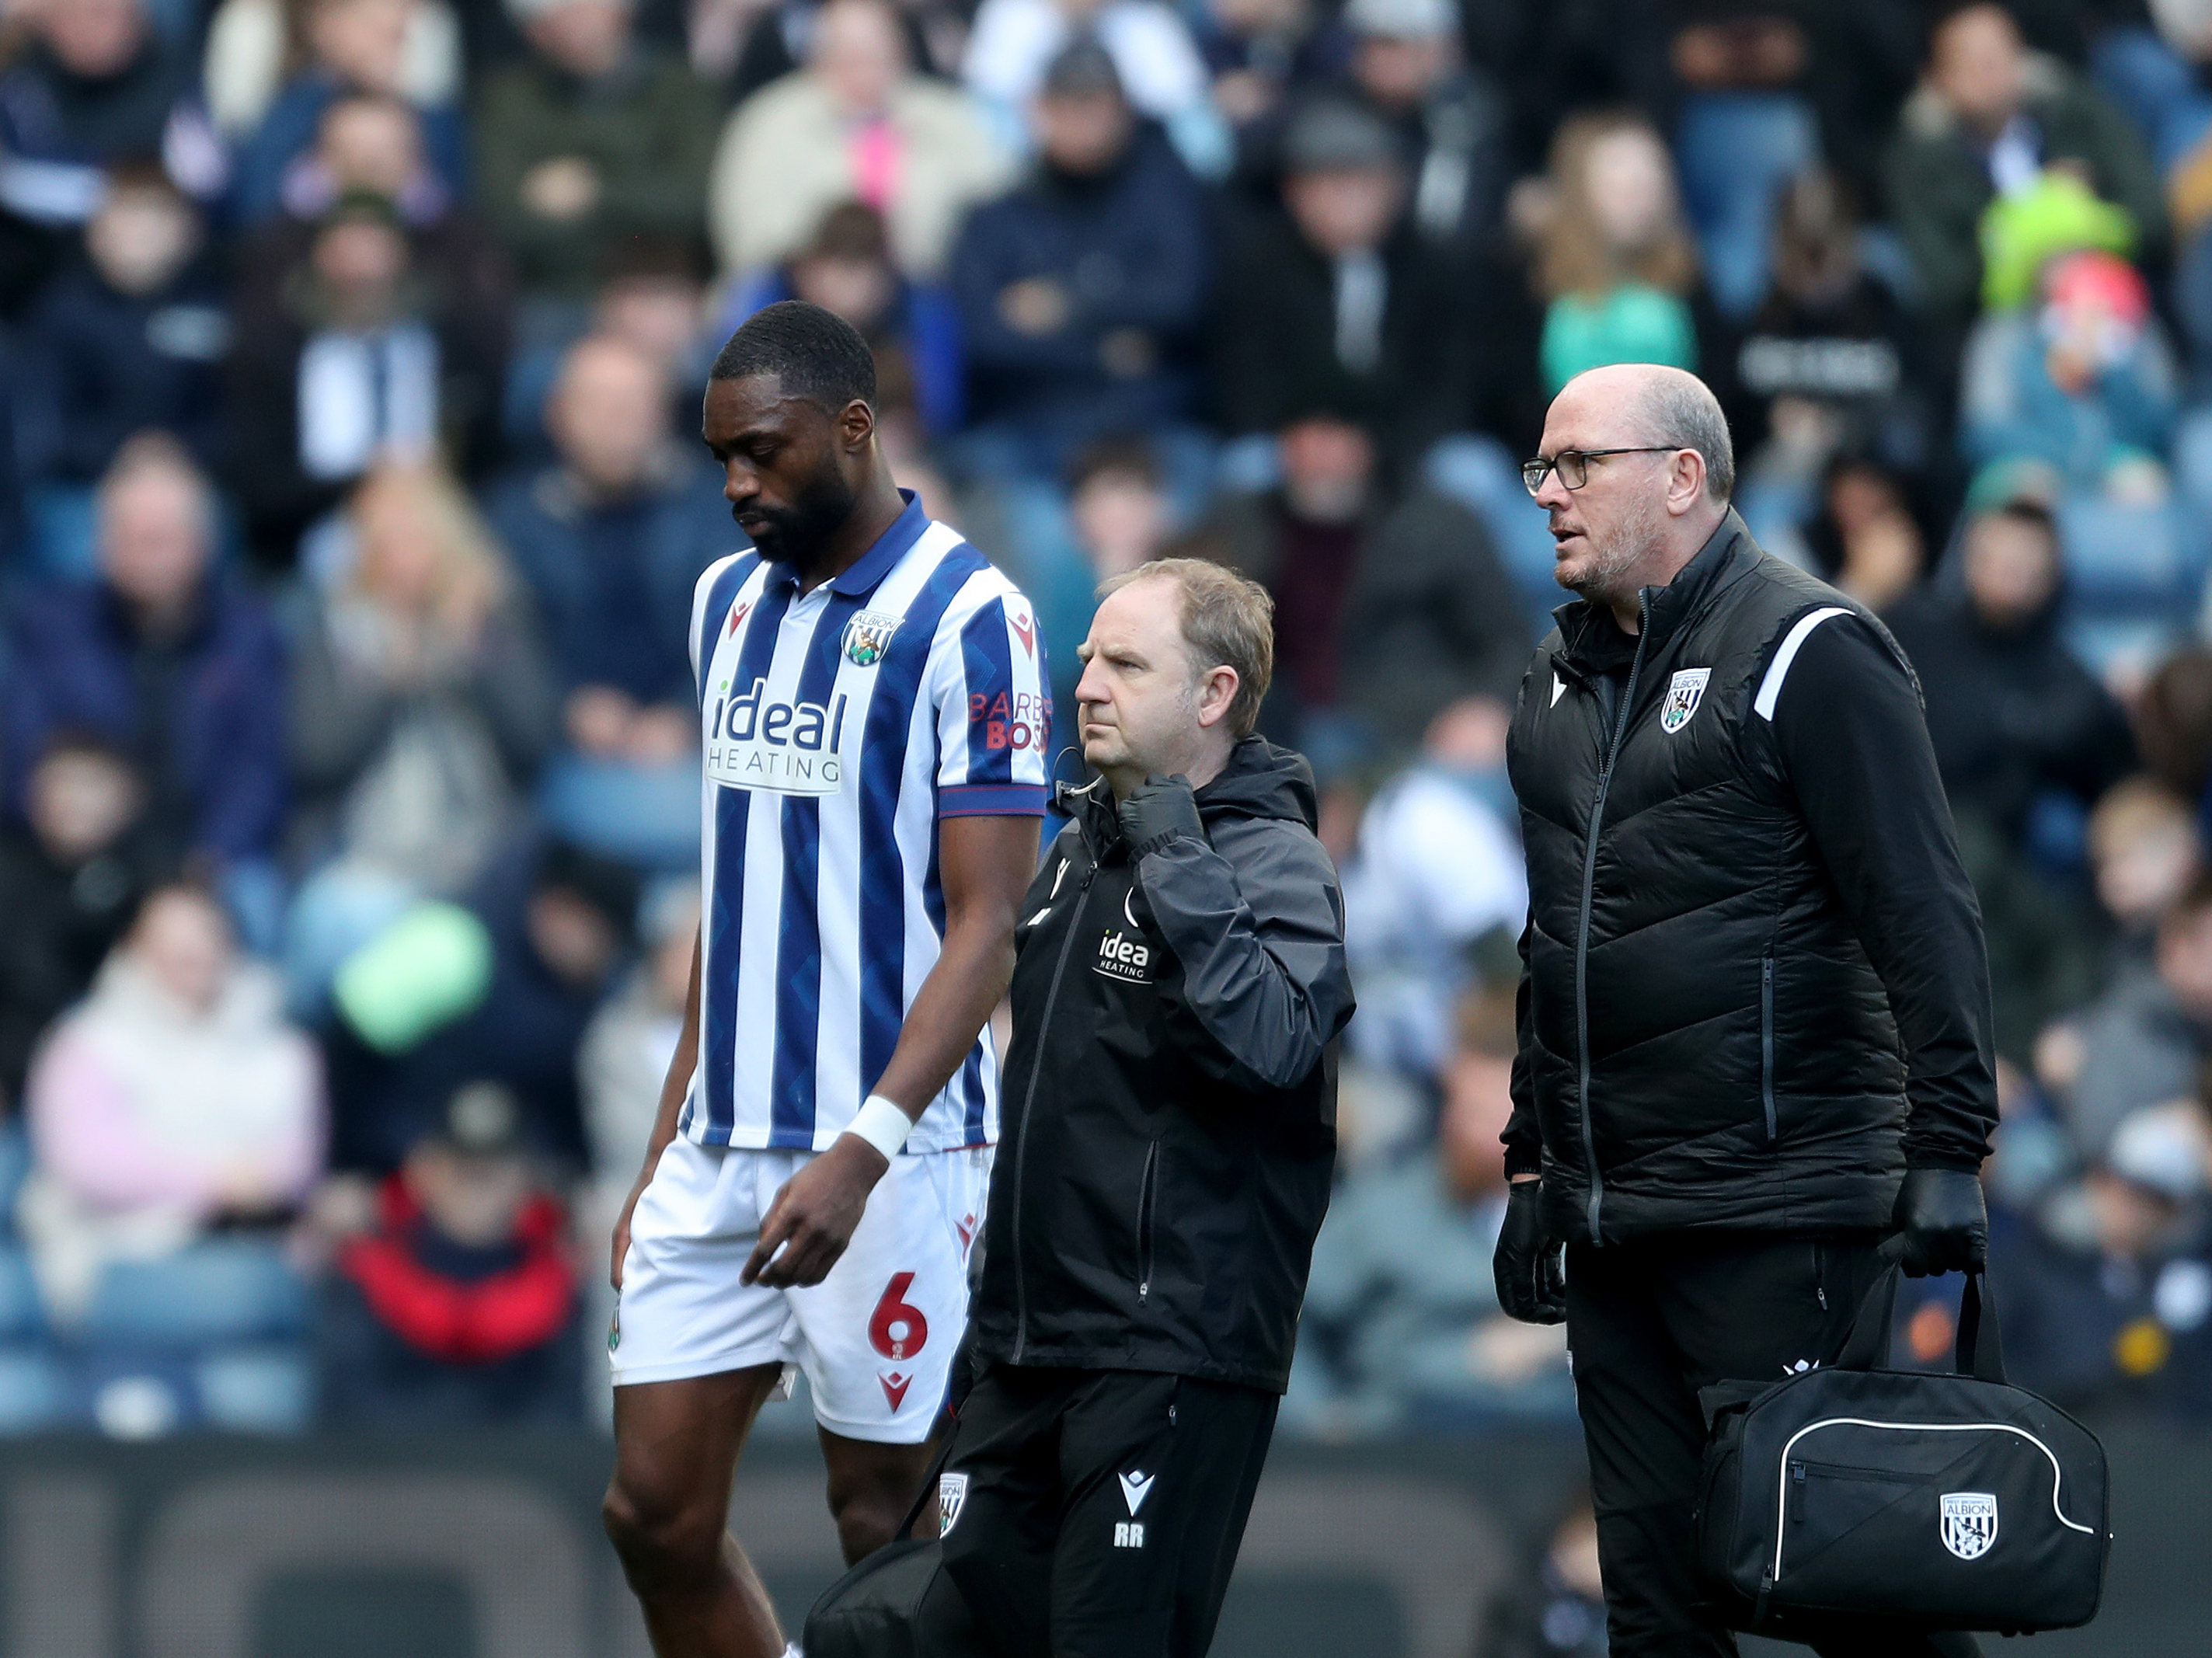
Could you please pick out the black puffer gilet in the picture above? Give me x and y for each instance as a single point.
(1706, 1042)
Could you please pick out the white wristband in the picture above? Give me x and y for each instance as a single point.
(882, 1123)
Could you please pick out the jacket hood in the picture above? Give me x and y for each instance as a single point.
(1260, 781)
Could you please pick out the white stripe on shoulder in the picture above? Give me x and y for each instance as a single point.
(1769, 689)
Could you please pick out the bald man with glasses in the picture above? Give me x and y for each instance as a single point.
(1755, 1021)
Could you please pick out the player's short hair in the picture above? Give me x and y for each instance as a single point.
(1681, 412)
(1228, 620)
(813, 353)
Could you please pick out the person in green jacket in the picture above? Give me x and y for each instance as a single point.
(591, 139)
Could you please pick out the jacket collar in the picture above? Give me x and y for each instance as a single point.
(1727, 552)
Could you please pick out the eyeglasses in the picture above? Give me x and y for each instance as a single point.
(1574, 463)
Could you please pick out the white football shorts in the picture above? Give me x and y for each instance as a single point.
(875, 1337)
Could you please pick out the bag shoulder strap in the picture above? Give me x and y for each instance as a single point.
(1980, 1350)
(1867, 1345)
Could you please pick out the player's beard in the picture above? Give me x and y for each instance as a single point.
(1608, 567)
(795, 534)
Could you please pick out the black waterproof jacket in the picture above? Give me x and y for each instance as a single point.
(1169, 1118)
(1733, 1016)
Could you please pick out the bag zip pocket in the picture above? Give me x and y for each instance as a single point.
(1766, 1040)
(1792, 1473)
(1146, 1200)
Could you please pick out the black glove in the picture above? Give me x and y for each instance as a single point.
(1161, 811)
(1532, 1279)
(1944, 1221)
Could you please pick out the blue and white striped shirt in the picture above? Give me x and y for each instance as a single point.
(839, 728)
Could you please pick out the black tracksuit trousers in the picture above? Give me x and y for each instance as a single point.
(1649, 1323)
(1098, 1512)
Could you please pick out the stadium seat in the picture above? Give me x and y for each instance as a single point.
(222, 1289)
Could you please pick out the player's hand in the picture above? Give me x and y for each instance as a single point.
(622, 1225)
(1531, 1277)
(1163, 810)
(815, 1216)
(1945, 1222)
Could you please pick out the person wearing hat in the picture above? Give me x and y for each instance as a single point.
(1337, 296)
(459, 1305)
(1407, 66)
(1082, 290)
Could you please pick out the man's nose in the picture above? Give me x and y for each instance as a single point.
(1554, 495)
(740, 483)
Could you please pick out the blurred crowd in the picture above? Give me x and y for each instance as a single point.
(350, 511)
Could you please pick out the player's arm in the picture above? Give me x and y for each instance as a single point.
(673, 1090)
(985, 865)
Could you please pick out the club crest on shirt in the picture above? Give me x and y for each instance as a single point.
(868, 635)
(1684, 692)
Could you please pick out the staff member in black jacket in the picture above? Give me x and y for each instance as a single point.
(1755, 1017)
(1164, 1157)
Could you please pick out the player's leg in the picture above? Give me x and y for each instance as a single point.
(1157, 1474)
(694, 1354)
(872, 1486)
(876, 1338)
(677, 1445)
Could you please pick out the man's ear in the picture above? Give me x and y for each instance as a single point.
(1686, 482)
(856, 423)
(1217, 694)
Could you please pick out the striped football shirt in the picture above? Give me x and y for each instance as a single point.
(838, 728)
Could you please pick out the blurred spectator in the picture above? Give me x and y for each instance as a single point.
(1615, 263)
(459, 1308)
(626, 1052)
(1260, 54)
(130, 339)
(912, 327)
(1081, 293)
(352, 358)
(164, 656)
(1386, 610)
(2143, 1042)
(96, 85)
(336, 49)
(745, 45)
(1557, 1610)
(1402, 1289)
(253, 45)
(174, 1097)
(421, 711)
(2087, 384)
(69, 885)
(1437, 877)
(1015, 41)
(1450, 120)
(2173, 723)
(2105, 1295)
(611, 539)
(1990, 122)
(1337, 301)
(2144, 852)
(857, 123)
(593, 139)
(498, 990)
(1830, 336)
(373, 143)
(2012, 713)
(1864, 539)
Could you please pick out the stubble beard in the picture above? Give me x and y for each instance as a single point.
(796, 534)
(1607, 572)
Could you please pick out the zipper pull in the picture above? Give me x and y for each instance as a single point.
(1797, 1501)
(1143, 1289)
